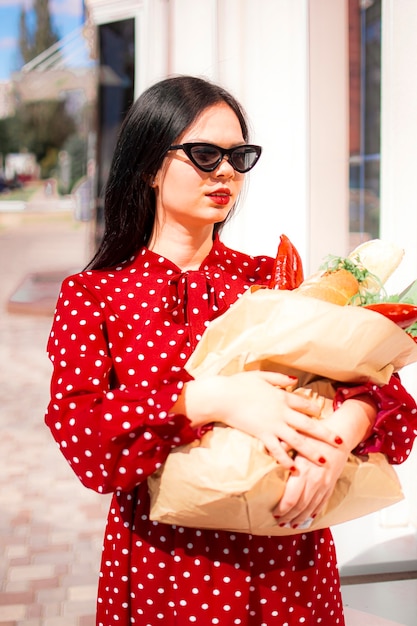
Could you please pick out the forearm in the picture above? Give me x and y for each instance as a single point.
(199, 401)
(353, 421)
(395, 427)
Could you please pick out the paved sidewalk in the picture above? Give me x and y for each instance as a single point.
(51, 527)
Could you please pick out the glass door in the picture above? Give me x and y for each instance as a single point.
(365, 119)
(116, 45)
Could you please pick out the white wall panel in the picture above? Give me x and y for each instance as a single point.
(265, 62)
(399, 170)
(328, 129)
(193, 37)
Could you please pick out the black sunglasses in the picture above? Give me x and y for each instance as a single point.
(207, 156)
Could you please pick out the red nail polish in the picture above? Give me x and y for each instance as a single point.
(282, 525)
(338, 440)
(293, 377)
(322, 460)
(294, 526)
(293, 468)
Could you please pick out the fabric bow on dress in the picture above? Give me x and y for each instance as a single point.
(194, 297)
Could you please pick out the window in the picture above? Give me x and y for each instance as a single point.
(365, 114)
(116, 42)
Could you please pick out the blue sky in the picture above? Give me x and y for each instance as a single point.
(66, 16)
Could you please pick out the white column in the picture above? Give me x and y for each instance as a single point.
(152, 43)
(328, 129)
(264, 61)
(399, 132)
(399, 170)
(193, 37)
(288, 63)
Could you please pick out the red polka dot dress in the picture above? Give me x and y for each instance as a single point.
(119, 343)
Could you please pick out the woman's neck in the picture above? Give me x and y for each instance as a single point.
(187, 250)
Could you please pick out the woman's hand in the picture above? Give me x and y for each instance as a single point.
(309, 487)
(257, 403)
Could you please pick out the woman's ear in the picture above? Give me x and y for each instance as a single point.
(149, 180)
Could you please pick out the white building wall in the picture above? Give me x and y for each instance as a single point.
(399, 178)
(261, 51)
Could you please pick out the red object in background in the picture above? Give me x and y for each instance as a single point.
(287, 272)
(400, 313)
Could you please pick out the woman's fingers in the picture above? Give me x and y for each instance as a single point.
(300, 503)
(278, 450)
(308, 489)
(277, 379)
(307, 437)
(304, 405)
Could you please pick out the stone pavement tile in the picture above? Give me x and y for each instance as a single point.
(50, 555)
(34, 611)
(17, 587)
(58, 621)
(45, 596)
(12, 612)
(81, 593)
(51, 609)
(45, 583)
(30, 572)
(24, 597)
(19, 561)
(77, 608)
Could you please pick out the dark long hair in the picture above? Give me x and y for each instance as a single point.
(154, 122)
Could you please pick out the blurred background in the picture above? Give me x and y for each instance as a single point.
(331, 93)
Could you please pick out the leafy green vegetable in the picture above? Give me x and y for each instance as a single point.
(374, 298)
(365, 296)
(412, 330)
(353, 265)
(358, 270)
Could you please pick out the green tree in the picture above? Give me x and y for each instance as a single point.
(9, 135)
(76, 148)
(44, 127)
(34, 41)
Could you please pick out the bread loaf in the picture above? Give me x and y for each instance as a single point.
(337, 287)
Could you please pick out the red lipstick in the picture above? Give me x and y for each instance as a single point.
(220, 196)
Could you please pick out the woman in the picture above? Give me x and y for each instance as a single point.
(122, 399)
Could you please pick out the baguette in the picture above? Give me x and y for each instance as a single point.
(381, 259)
(365, 270)
(338, 287)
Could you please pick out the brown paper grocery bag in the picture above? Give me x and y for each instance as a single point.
(298, 335)
(227, 481)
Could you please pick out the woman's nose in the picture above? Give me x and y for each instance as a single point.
(225, 168)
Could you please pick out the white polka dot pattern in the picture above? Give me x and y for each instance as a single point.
(119, 343)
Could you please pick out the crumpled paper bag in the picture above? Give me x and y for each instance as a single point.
(291, 333)
(227, 480)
